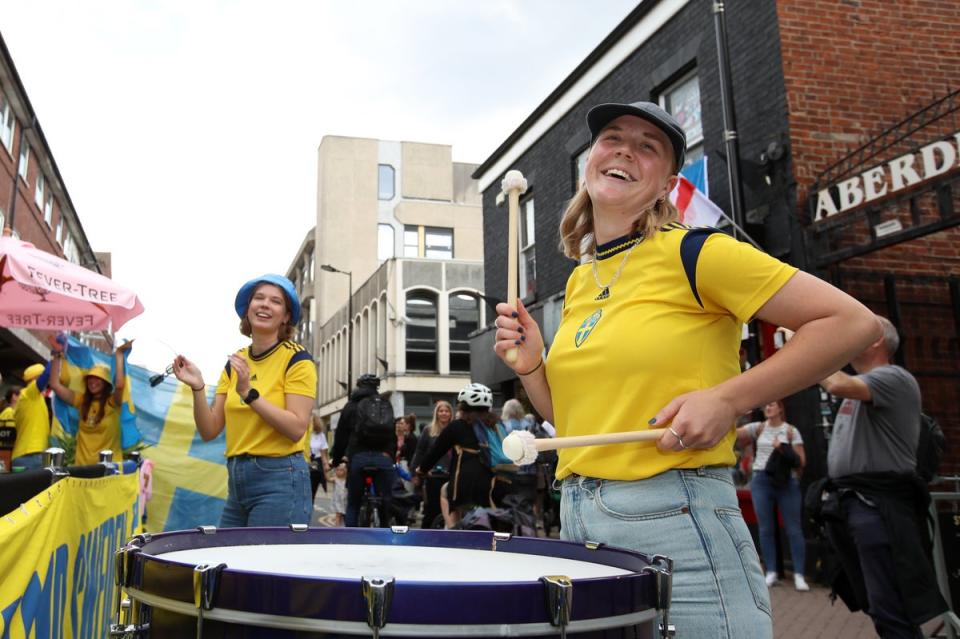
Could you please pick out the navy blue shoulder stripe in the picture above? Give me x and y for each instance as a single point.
(227, 368)
(690, 247)
(299, 356)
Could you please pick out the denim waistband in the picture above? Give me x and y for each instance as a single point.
(701, 471)
(248, 456)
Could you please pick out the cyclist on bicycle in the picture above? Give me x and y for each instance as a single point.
(476, 438)
(366, 438)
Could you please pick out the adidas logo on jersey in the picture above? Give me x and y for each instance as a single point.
(604, 294)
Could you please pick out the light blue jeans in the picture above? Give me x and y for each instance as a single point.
(32, 461)
(691, 516)
(267, 491)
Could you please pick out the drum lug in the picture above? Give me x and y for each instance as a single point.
(498, 537)
(207, 530)
(122, 568)
(591, 545)
(559, 592)
(378, 591)
(299, 527)
(662, 568)
(123, 629)
(399, 530)
(206, 583)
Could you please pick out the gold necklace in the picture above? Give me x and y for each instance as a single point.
(605, 288)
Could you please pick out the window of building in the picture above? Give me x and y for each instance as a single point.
(384, 242)
(38, 192)
(48, 211)
(411, 241)
(385, 182)
(24, 159)
(682, 101)
(6, 123)
(464, 319)
(579, 167)
(70, 249)
(438, 243)
(60, 229)
(432, 242)
(3, 219)
(421, 324)
(528, 252)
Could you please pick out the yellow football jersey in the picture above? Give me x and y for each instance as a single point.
(285, 369)
(33, 422)
(669, 324)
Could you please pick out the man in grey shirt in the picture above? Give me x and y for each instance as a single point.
(879, 530)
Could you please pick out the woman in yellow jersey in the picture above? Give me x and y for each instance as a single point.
(99, 405)
(264, 399)
(32, 419)
(650, 330)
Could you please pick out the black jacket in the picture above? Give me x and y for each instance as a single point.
(903, 502)
(345, 442)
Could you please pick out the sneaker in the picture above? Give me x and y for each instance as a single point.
(800, 583)
(771, 579)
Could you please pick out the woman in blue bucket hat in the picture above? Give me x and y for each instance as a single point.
(264, 399)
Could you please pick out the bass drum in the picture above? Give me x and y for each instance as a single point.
(338, 582)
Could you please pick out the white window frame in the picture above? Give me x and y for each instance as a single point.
(695, 142)
(59, 234)
(437, 231)
(7, 123)
(393, 182)
(24, 160)
(48, 210)
(528, 247)
(411, 250)
(38, 191)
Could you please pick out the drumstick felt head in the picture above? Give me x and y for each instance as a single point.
(520, 446)
(513, 180)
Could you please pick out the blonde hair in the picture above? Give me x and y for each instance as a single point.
(512, 409)
(435, 426)
(576, 225)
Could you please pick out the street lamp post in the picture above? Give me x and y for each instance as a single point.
(331, 269)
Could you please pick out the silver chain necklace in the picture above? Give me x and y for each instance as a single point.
(605, 288)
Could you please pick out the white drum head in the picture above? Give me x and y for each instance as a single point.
(404, 563)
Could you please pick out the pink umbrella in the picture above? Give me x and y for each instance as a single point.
(41, 291)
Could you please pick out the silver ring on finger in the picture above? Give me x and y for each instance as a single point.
(677, 435)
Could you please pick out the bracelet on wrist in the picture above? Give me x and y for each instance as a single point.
(199, 390)
(532, 370)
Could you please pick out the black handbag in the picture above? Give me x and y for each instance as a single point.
(783, 459)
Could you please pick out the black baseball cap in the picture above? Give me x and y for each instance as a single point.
(603, 114)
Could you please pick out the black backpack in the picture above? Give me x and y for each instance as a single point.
(375, 422)
(930, 448)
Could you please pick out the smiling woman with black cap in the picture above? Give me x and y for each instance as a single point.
(650, 328)
(264, 397)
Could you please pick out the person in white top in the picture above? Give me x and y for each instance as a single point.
(766, 436)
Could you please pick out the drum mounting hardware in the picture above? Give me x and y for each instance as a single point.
(498, 537)
(662, 568)
(206, 582)
(591, 545)
(559, 592)
(378, 591)
(207, 530)
(299, 528)
(399, 530)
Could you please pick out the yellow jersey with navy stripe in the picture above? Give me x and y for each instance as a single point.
(669, 324)
(287, 368)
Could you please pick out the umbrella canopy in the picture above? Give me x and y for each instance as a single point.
(41, 291)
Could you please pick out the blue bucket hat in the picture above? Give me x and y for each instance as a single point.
(603, 114)
(246, 292)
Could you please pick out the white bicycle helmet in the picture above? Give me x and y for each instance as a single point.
(476, 395)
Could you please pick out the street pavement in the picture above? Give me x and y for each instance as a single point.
(796, 615)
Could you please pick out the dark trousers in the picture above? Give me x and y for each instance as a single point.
(863, 544)
(431, 498)
(382, 481)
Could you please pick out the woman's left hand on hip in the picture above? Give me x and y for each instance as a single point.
(700, 419)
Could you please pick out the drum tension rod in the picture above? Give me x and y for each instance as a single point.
(559, 592)
(378, 591)
(123, 569)
(662, 568)
(206, 584)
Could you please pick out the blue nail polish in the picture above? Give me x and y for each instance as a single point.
(653, 420)
(517, 342)
(515, 314)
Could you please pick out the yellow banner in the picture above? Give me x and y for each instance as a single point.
(56, 558)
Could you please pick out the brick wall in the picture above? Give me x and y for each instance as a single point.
(853, 69)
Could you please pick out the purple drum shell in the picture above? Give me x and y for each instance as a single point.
(423, 603)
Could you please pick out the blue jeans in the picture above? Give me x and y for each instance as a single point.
(691, 516)
(32, 461)
(267, 491)
(788, 500)
(383, 482)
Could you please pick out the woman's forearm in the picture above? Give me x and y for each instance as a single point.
(286, 421)
(204, 416)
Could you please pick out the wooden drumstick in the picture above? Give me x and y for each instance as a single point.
(513, 184)
(522, 447)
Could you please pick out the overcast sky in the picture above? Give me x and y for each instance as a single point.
(186, 132)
